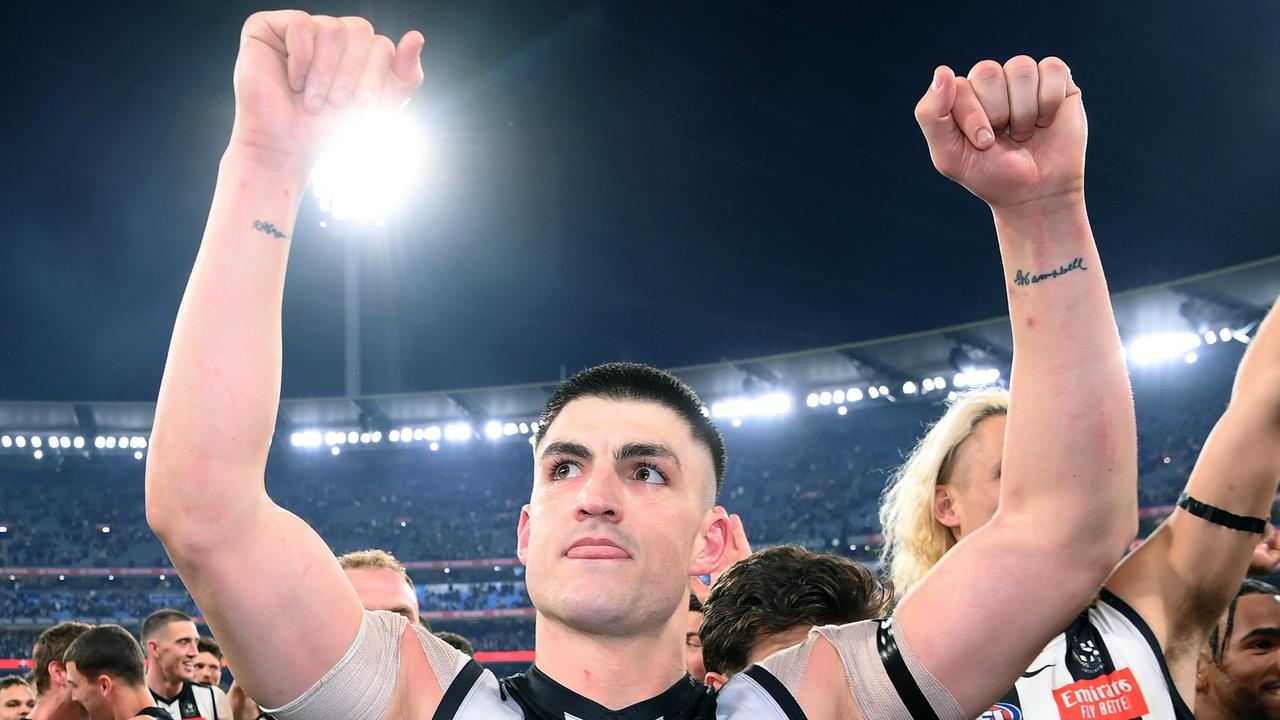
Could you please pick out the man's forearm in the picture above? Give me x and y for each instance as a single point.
(1071, 438)
(1258, 378)
(216, 410)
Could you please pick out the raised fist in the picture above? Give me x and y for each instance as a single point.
(1014, 135)
(297, 75)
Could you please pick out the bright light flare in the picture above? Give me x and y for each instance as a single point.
(1159, 347)
(369, 167)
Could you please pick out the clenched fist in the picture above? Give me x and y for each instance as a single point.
(1012, 134)
(297, 75)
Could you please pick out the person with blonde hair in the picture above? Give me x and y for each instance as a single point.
(1133, 652)
(382, 583)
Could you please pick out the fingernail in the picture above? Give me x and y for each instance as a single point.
(937, 79)
(984, 136)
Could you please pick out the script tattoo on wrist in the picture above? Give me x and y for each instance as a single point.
(267, 228)
(1022, 278)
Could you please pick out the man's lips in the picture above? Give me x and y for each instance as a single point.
(596, 549)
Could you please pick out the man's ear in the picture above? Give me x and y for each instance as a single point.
(57, 672)
(713, 539)
(944, 507)
(105, 684)
(715, 681)
(522, 536)
(1204, 667)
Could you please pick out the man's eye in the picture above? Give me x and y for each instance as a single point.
(650, 474)
(566, 470)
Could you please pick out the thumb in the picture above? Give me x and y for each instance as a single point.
(933, 112)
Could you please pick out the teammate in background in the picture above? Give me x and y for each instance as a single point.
(16, 699)
(622, 511)
(49, 675)
(1148, 626)
(382, 583)
(208, 663)
(172, 644)
(106, 676)
(458, 642)
(692, 642)
(1238, 675)
(771, 600)
(738, 549)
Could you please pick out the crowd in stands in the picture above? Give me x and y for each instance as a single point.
(811, 478)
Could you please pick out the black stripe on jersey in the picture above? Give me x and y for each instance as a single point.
(458, 691)
(1180, 709)
(777, 691)
(908, 690)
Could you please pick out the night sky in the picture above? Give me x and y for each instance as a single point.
(674, 183)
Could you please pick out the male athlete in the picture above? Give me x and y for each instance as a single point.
(172, 645)
(105, 673)
(1144, 635)
(626, 467)
(49, 675)
(1239, 671)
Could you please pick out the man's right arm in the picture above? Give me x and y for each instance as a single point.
(267, 583)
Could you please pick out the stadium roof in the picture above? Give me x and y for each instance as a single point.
(1235, 298)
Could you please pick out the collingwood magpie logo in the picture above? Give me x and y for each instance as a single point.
(1087, 655)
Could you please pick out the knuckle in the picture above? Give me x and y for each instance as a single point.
(1021, 67)
(383, 44)
(358, 24)
(985, 71)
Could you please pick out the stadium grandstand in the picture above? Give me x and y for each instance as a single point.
(439, 478)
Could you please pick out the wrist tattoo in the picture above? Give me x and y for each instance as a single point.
(267, 228)
(1023, 279)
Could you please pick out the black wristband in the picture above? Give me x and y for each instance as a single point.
(1218, 516)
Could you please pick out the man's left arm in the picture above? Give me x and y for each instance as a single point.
(1182, 578)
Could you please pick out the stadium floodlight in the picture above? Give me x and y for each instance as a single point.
(812, 400)
(419, 433)
(64, 442)
(376, 436)
(524, 428)
(762, 406)
(37, 454)
(36, 441)
(737, 422)
(370, 166)
(78, 443)
(110, 443)
(20, 441)
(1190, 358)
(62, 577)
(123, 442)
(493, 429)
(1224, 334)
(431, 433)
(111, 577)
(394, 436)
(837, 397)
(6, 441)
(53, 442)
(940, 383)
(909, 387)
(1210, 337)
(533, 426)
(162, 577)
(510, 428)
(295, 439)
(457, 432)
(99, 442)
(353, 437)
(4, 528)
(927, 385)
(853, 395)
(434, 446)
(873, 392)
(824, 398)
(1159, 347)
(106, 529)
(1241, 336)
(366, 438)
(884, 390)
(406, 434)
(842, 410)
(335, 450)
(137, 454)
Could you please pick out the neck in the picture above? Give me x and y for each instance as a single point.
(615, 672)
(161, 684)
(49, 707)
(131, 702)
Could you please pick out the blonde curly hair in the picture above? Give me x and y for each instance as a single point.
(914, 541)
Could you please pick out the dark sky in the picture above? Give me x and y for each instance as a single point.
(673, 183)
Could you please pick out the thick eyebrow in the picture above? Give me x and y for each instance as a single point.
(1267, 632)
(568, 448)
(636, 450)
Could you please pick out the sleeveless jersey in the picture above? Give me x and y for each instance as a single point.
(193, 701)
(1106, 666)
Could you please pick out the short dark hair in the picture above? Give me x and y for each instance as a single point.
(108, 650)
(209, 645)
(9, 681)
(695, 605)
(777, 589)
(462, 644)
(1250, 586)
(50, 647)
(635, 381)
(160, 619)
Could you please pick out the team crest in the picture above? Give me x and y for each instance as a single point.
(1002, 711)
